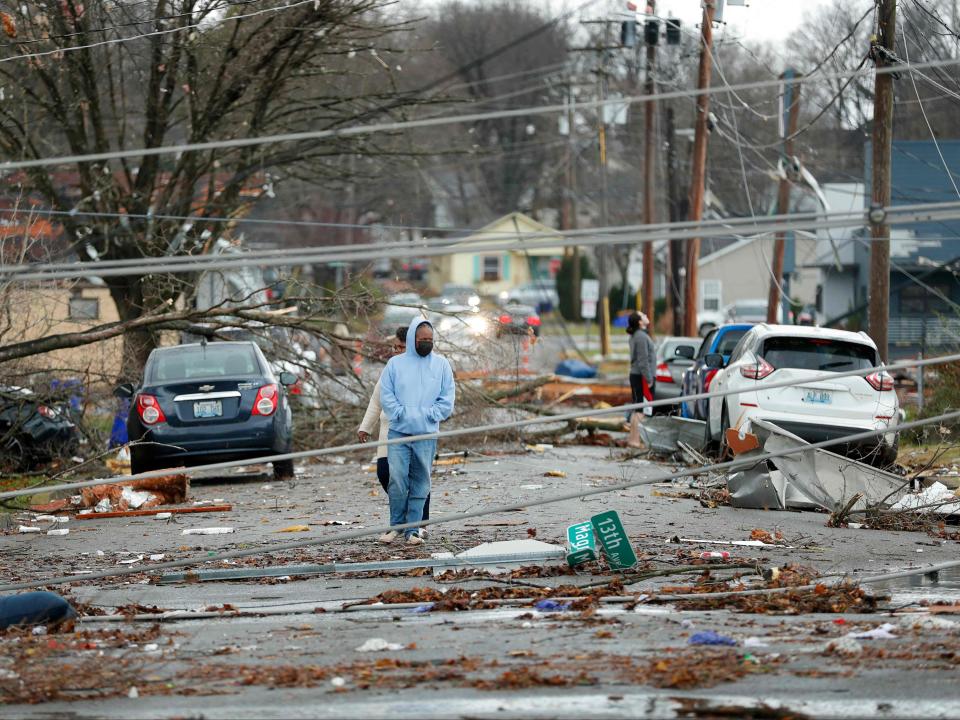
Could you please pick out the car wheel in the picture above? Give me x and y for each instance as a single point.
(15, 455)
(283, 469)
(887, 454)
(709, 444)
(725, 452)
(139, 463)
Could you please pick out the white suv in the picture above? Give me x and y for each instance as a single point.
(815, 410)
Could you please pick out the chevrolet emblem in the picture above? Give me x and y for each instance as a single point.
(206, 388)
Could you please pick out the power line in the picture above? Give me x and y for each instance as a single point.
(359, 130)
(304, 256)
(460, 517)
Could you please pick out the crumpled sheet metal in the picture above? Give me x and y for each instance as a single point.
(662, 433)
(810, 479)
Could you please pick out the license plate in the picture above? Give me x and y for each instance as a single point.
(207, 409)
(821, 397)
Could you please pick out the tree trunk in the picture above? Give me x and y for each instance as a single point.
(128, 295)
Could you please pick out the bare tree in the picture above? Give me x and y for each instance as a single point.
(100, 76)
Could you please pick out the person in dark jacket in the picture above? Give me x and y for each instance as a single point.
(643, 368)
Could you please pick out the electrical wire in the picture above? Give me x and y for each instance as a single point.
(751, 461)
(724, 227)
(494, 427)
(374, 128)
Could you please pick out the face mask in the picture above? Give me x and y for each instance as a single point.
(424, 347)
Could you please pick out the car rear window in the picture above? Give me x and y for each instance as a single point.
(212, 360)
(818, 354)
(729, 341)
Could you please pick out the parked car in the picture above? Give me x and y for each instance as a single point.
(539, 294)
(33, 431)
(815, 410)
(674, 356)
(517, 318)
(452, 294)
(697, 378)
(707, 320)
(749, 311)
(209, 402)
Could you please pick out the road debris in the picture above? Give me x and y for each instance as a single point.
(142, 494)
(159, 514)
(709, 637)
(379, 645)
(207, 531)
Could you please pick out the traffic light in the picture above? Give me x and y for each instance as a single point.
(651, 32)
(673, 31)
(628, 33)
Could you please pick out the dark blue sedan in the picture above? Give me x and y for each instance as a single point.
(209, 402)
(696, 379)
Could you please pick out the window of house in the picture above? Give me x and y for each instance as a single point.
(82, 308)
(918, 300)
(491, 267)
(710, 294)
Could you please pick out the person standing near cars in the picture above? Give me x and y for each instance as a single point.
(643, 368)
(417, 393)
(374, 414)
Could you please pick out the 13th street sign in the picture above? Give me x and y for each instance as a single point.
(613, 538)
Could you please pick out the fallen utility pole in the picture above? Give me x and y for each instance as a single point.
(791, 115)
(882, 53)
(384, 566)
(698, 172)
(649, 181)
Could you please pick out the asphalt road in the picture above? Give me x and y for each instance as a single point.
(298, 657)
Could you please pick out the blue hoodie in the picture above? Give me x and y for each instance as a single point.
(417, 392)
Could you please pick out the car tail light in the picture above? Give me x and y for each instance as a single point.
(296, 388)
(757, 371)
(266, 401)
(533, 320)
(880, 381)
(505, 319)
(663, 373)
(149, 410)
(47, 412)
(708, 378)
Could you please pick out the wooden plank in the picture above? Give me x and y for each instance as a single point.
(154, 511)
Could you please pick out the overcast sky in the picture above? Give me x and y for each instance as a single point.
(761, 20)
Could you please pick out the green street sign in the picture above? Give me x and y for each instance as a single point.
(613, 538)
(581, 544)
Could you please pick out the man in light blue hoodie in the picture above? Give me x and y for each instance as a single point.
(416, 393)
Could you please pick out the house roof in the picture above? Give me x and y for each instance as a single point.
(511, 227)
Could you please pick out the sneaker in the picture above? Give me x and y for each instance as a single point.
(414, 540)
(423, 532)
(389, 537)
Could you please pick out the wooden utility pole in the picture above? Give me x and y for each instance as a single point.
(791, 109)
(649, 179)
(677, 212)
(604, 309)
(699, 170)
(568, 215)
(881, 51)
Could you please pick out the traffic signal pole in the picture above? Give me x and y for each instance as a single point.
(649, 167)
